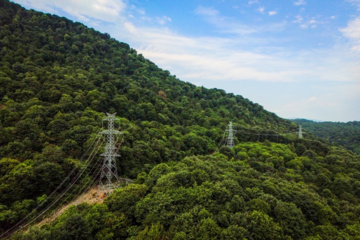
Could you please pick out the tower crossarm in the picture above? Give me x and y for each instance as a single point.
(106, 132)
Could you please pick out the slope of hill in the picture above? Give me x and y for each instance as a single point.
(58, 78)
(345, 134)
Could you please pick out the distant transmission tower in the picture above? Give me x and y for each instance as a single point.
(230, 135)
(300, 132)
(109, 176)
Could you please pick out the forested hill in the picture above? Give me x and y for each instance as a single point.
(57, 80)
(345, 134)
(56, 61)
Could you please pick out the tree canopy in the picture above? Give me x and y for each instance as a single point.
(57, 80)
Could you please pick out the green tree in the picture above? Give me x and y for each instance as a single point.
(262, 226)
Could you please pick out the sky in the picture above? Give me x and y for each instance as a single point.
(296, 58)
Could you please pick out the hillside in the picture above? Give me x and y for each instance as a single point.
(344, 134)
(57, 80)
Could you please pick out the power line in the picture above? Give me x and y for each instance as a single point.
(14, 228)
(107, 172)
(75, 179)
(229, 134)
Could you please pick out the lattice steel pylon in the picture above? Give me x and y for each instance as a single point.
(230, 136)
(109, 176)
(300, 132)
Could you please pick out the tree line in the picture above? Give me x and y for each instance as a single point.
(58, 78)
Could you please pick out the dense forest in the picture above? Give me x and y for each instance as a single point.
(59, 78)
(345, 134)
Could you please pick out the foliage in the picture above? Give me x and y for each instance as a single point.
(57, 78)
(345, 134)
(212, 197)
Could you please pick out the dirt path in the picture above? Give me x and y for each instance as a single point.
(94, 195)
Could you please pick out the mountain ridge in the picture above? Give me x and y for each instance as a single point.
(58, 78)
(345, 134)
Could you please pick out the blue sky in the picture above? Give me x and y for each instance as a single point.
(297, 58)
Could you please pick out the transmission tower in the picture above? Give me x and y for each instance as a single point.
(109, 176)
(300, 132)
(230, 135)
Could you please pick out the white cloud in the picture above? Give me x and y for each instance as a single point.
(253, 2)
(312, 99)
(84, 10)
(272, 13)
(298, 19)
(236, 57)
(261, 9)
(226, 59)
(332, 103)
(225, 24)
(163, 20)
(206, 58)
(130, 27)
(206, 11)
(352, 31)
(355, 2)
(211, 58)
(39, 5)
(306, 23)
(299, 3)
(141, 11)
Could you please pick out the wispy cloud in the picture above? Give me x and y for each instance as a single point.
(306, 23)
(163, 20)
(298, 19)
(355, 2)
(261, 9)
(85, 10)
(226, 59)
(339, 98)
(207, 58)
(229, 25)
(253, 2)
(130, 27)
(222, 23)
(352, 31)
(39, 5)
(206, 11)
(244, 53)
(300, 2)
(272, 13)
